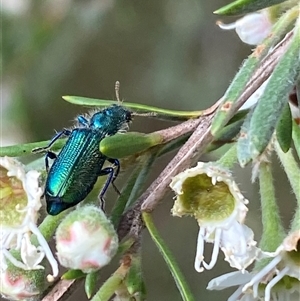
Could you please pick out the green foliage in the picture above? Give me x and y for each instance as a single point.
(170, 260)
(239, 7)
(267, 76)
(238, 91)
(284, 129)
(270, 105)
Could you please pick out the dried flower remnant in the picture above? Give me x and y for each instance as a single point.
(209, 193)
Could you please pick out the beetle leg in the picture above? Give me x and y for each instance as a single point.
(106, 171)
(116, 163)
(50, 155)
(57, 136)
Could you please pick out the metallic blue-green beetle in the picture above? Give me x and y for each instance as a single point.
(76, 168)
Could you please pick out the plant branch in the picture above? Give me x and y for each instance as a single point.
(60, 290)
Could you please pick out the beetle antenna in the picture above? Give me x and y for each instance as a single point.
(149, 114)
(117, 90)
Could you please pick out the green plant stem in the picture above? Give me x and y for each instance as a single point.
(291, 168)
(273, 231)
(168, 257)
(49, 226)
(111, 285)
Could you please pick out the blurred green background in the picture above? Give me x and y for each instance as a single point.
(165, 53)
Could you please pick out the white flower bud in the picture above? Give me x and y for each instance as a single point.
(252, 29)
(86, 240)
(17, 284)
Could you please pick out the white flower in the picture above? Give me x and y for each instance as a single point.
(252, 28)
(279, 280)
(86, 240)
(209, 193)
(30, 254)
(20, 201)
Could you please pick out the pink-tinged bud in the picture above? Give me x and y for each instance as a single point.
(18, 284)
(86, 240)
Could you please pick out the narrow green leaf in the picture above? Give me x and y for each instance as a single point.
(284, 129)
(245, 6)
(73, 274)
(231, 102)
(229, 133)
(123, 145)
(168, 257)
(27, 148)
(227, 108)
(146, 161)
(272, 102)
(139, 108)
(91, 283)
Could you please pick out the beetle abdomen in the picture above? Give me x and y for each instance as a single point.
(75, 171)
